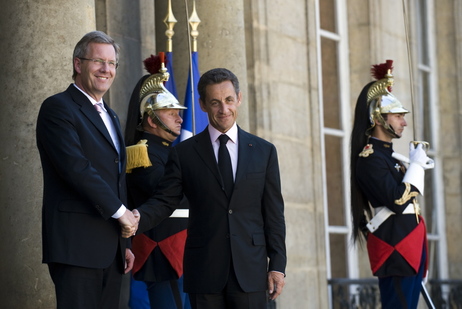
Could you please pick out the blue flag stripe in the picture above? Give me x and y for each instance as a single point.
(170, 84)
(200, 117)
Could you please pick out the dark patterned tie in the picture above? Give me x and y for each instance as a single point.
(224, 164)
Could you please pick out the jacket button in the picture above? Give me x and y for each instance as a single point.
(116, 161)
(230, 212)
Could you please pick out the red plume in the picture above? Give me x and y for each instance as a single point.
(378, 71)
(153, 64)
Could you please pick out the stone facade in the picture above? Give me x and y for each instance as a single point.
(272, 46)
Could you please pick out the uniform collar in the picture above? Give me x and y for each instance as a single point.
(156, 139)
(381, 144)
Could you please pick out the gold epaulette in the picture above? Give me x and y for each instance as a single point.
(367, 150)
(137, 156)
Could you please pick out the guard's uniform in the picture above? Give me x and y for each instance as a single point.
(397, 248)
(159, 251)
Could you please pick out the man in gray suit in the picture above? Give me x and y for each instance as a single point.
(235, 250)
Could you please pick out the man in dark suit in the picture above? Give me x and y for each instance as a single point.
(235, 249)
(83, 161)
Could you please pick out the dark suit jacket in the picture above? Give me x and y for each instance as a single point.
(248, 229)
(84, 182)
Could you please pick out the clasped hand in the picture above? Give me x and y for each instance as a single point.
(418, 155)
(129, 223)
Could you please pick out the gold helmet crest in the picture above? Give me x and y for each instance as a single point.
(154, 95)
(380, 100)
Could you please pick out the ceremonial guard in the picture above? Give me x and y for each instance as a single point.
(384, 192)
(159, 251)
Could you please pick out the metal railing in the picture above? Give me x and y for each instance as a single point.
(446, 294)
(364, 293)
(354, 293)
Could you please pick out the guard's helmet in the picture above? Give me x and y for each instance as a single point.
(380, 100)
(154, 96)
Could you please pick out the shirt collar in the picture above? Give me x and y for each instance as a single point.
(93, 101)
(232, 133)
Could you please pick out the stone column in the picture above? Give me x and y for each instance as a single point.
(38, 38)
(131, 25)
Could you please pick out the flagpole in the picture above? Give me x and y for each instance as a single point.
(170, 22)
(194, 22)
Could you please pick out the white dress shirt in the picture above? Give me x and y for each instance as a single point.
(232, 144)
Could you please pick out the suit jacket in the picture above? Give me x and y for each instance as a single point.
(246, 229)
(84, 182)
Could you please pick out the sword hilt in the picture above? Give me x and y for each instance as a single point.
(425, 145)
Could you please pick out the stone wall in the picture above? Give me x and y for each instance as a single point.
(272, 47)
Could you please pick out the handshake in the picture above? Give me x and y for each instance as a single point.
(129, 223)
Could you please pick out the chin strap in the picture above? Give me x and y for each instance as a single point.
(162, 125)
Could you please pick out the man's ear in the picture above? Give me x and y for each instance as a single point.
(151, 122)
(77, 64)
(239, 98)
(202, 104)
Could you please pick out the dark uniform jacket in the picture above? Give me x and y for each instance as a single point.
(160, 259)
(395, 248)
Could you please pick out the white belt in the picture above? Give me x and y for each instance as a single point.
(180, 213)
(382, 214)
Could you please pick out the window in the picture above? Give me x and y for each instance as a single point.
(336, 127)
(426, 128)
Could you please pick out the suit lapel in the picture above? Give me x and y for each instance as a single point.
(244, 153)
(204, 149)
(116, 124)
(90, 112)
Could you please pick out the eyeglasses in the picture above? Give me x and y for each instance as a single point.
(101, 62)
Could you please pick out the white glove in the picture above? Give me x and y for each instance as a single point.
(418, 155)
(419, 162)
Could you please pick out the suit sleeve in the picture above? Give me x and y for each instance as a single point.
(273, 212)
(167, 197)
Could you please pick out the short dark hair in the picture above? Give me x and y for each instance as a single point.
(216, 76)
(81, 49)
